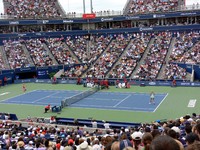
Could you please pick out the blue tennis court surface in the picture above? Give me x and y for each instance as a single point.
(99, 100)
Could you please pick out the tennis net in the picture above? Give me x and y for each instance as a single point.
(78, 97)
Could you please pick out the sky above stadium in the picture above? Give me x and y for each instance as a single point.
(98, 5)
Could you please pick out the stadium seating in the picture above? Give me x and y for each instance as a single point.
(104, 50)
(33, 131)
(148, 6)
(32, 9)
(124, 53)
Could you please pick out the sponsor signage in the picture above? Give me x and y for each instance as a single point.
(89, 16)
(106, 19)
(192, 103)
(152, 83)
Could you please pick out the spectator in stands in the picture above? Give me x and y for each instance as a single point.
(146, 140)
(164, 142)
(106, 125)
(94, 123)
(174, 133)
(191, 138)
(194, 146)
(148, 6)
(137, 140)
(197, 131)
(33, 9)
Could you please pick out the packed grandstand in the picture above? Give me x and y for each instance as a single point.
(148, 41)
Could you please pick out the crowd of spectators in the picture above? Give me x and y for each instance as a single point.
(2, 64)
(173, 71)
(97, 54)
(186, 48)
(178, 134)
(38, 52)
(78, 45)
(110, 56)
(15, 54)
(129, 60)
(60, 51)
(75, 71)
(149, 6)
(32, 9)
(155, 57)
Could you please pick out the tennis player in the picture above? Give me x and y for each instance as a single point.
(152, 98)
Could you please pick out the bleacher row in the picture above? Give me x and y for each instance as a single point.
(52, 9)
(47, 9)
(34, 133)
(130, 55)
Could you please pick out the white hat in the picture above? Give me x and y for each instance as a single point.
(83, 146)
(137, 135)
(190, 120)
(30, 142)
(126, 130)
(176, 129)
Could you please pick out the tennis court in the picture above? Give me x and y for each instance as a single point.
(170, 102)
(100, 100)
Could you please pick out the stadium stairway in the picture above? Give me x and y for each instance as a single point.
(71, 52)
(6, 4)
(60, 9)
(59, 73)
(5, 60)
(123, 53)
(27, 55)
(126, 7)
(162, 71)
(50, 54)
(92, 65)
(143, 57)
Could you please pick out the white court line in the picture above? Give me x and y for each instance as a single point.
(45, 97)
(103, 99)
(17, 96)
(125, 93)
(111, 107)
(27, 103)
(122, 101)
(161, 102)
(4, 93)
(57, 97)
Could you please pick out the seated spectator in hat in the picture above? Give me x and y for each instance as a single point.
(96, 144)
(29, 146)
(84, 146)
(137, 140)
(20, 145)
